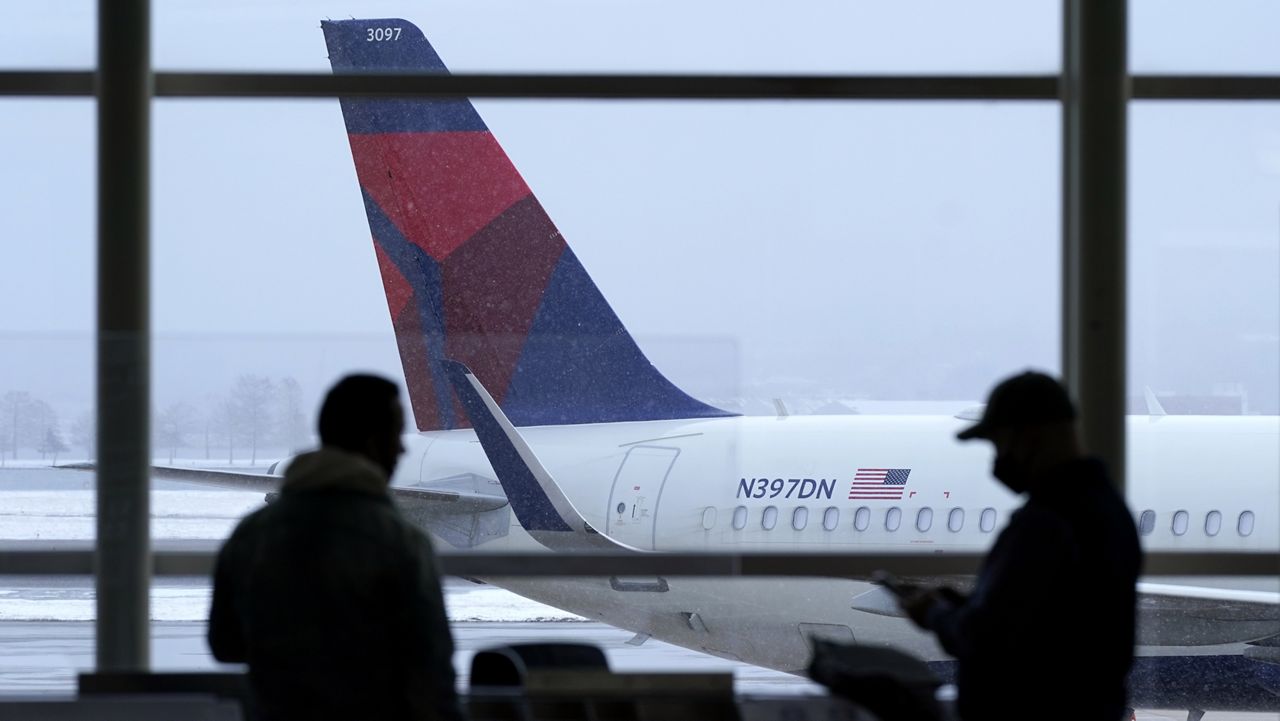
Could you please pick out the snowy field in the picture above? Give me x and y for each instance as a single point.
(43, 598)
(47, 504)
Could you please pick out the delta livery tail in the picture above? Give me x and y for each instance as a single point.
(473, 268)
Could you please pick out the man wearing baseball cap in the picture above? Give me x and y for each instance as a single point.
(1048, 628)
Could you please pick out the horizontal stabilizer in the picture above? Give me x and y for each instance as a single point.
(261, 482)
(442, 501)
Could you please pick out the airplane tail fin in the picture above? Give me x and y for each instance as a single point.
(472, 266)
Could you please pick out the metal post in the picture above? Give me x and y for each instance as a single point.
(123, 558)
(1095, 95)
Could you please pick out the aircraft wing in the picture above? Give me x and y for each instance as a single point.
(432, 501)
(1179, 614)
(1168, 614)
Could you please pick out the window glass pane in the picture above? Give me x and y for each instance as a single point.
(924, 519)
(987, 521)
(770, 518)
(955, 520)
(800, 518)
(1212, 523)
(739, 518)
(48, 236)
(831, 519)
(1180, 522)
(1193, 36)
(1204, 292)
(47, 348)
(862, 518)
(1245, 525)
(39, 36)
(1204, 296)
(716, 36)
(892, 519)
(709, 518)
(1147, 522)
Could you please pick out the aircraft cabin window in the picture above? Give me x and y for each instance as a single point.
(831, 519)
(892, 519)
(770, 518)
(739, 518)
(1180, 521)
(955, 520)
(1147, 523)
(862, 518)
(987, 521)
(1212, 523)
(924, 519)
(1244, 526)
(800, 518)
(709, 518)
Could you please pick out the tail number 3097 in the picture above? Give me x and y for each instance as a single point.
(377, 35)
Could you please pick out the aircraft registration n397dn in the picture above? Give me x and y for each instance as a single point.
(583, 443)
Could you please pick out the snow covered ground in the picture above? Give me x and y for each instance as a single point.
(43, 598)
(40, 503)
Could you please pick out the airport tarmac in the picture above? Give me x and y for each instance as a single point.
(43, 656)
(46, 623)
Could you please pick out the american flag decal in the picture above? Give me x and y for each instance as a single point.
(885, 484)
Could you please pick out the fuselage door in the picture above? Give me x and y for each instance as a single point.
(637, 487)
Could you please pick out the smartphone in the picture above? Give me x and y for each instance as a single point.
(893, 583)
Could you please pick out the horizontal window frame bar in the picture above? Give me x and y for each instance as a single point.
(196, 558)
(640, 87)
(551, 86)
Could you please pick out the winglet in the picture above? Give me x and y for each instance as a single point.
(539, 504)
(1154, 409)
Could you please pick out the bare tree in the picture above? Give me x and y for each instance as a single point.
(25, 420)
(172, 426)
(291, 420)
(40, 418)
(211, 405)
(52, 444)
(6, 430)
(84, 433)
(251, 398)
(14, 407)
(224, 423)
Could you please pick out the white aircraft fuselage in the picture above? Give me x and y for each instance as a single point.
(709, 485)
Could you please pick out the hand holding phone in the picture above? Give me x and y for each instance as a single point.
(895, 585)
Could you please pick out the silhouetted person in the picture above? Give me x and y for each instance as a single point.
(328, 593)
(1048, 629)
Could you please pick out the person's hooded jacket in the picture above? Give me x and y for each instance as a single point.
(333, 599)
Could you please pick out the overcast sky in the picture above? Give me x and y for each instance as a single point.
(794, 249)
